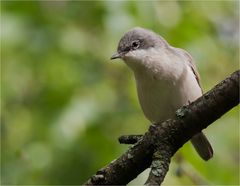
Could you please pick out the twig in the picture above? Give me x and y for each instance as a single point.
(129, 139)
(186, 169)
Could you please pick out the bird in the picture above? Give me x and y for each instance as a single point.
(166, 78)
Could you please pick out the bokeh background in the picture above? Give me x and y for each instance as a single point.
(64, 103)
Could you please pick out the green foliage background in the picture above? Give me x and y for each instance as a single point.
(64, 103)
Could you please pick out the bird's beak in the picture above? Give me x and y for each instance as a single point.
(116, 55)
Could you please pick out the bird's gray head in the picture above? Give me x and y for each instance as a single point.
(135, 42)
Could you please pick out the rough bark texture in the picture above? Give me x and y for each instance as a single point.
(161, 141)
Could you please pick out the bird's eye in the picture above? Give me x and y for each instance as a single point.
(135, 44)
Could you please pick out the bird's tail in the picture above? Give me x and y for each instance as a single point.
(202, 146)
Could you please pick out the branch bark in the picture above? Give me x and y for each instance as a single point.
(161, 141)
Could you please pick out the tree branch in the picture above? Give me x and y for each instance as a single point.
(129, 139)
(161, 141)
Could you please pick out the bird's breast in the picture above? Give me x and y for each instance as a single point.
(160, 98)
(165, 82)
(157, 99)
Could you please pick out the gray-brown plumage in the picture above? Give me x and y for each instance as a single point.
(166, 78)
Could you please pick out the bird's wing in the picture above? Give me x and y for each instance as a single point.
(191, 64)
